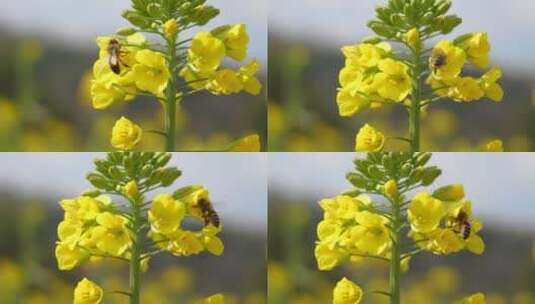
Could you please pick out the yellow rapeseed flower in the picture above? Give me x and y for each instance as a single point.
(412, 38)
(425, 212)
(466, 89)
(236, 40)
(151, 73)
(131, 190)
(369, 139)
(125, 134)
(477, 49)
(87, 292)
(111, 235)
(393, 82)
(206, 52)
(454, 59)
(350, 103)
(488, 83)
(347, 292)
(166, 213)
(170, 28)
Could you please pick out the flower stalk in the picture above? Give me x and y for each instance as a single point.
(170, 96)
(415, 106)
(135, 260)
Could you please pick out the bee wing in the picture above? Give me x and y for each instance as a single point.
(113, 60)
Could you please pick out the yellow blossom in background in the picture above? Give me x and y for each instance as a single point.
(477, 298)
(87, 292)
(215, 299)
(493, 146)
(369, 139)
(347, 292)
(125, 134)
(250, 143)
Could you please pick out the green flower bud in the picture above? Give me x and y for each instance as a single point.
(98, 181)
(163, 159)
(429, 175)
(453, 192)
(91, 193)
(154, 9)
(136, 19)
(406, 170)
(371, 40)
(357, 180)
(115, 173)
(381, 29)
(185, 191)
(169, 176)
(126, 31)
(352, 192)
(443, 8)
(449, 23)
(423, 158)
(205, 14)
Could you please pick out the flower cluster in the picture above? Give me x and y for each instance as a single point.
(129, 65)
(377, 74)
(355, 226)
(446, 79)
(95, 227)
(370, 78)
(207, 51)
(437, 221)
(166, 215)
(349, 230)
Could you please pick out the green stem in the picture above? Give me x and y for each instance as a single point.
(135, 260)
(414, 112)
(170, 98)
(395, 259)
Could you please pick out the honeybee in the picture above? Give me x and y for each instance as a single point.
(462, 226)
(437, 60)
(209, 215)
(114, 56)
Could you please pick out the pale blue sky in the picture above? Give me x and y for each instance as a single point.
(333, 23)
(500, 185)
(237, 181)
(79, 22)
